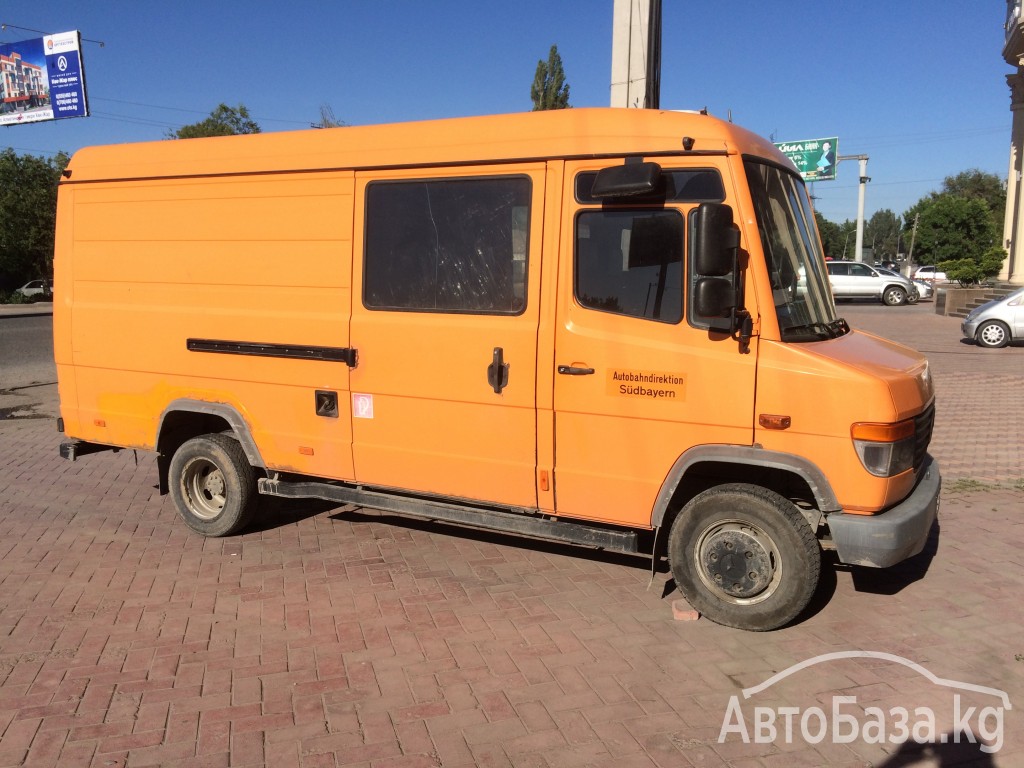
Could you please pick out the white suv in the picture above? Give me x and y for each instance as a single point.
(929, 273)
(855, 280)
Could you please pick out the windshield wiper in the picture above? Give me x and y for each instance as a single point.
(819, 329)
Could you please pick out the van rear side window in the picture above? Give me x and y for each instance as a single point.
(447, 245)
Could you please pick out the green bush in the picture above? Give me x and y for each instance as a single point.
(15, 298)
(973, 271)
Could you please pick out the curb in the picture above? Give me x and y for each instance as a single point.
(24, 310)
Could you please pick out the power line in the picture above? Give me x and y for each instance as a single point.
(194, 111)
(135, 120)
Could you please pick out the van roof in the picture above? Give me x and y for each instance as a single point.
(470, 140)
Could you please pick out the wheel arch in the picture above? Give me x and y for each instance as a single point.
(186, 418)
(704, 466)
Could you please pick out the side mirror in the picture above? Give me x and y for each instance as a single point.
(629, 180)
(717, 240)
(714, 297)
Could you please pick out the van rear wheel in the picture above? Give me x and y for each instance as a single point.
(744, 557)
(213, 485)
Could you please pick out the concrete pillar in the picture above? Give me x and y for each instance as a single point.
(1013, 225)
(630, 30)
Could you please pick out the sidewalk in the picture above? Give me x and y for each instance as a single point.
(334, 636)
(26, 310)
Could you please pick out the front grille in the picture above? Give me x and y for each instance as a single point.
(923, 424)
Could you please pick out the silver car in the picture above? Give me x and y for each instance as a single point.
(856, 280)
(925, 290)
(998, 322)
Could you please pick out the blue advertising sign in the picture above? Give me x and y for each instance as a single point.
(42, 79)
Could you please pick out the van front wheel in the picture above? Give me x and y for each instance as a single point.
(744, 557)
(213, 485)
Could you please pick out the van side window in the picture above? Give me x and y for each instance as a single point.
(630, 263)
(447, 245)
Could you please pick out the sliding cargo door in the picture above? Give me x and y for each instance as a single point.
(445, 323)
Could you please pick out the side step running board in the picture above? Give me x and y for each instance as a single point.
(475, 517)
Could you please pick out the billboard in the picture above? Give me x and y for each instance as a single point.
(814, 158)
(42, 79)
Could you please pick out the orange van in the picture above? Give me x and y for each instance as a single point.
(607, 327)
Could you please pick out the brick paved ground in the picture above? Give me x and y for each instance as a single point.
(333, 637)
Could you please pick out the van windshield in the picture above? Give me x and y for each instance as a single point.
(792, 252)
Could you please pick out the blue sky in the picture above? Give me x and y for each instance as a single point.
(917, 86)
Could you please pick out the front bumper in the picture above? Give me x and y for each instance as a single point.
(894, 535)
(969, 328)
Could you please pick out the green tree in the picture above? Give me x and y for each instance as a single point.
(549, 89)
(959, 228)
(950, 228)
(979, 184)
(223, 121)
(835, 238)
(28, 212)
(882, 233)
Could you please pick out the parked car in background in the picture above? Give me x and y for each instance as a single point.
(855, 280)
(998, 322)
(929, 273)
(34, 288)
(925, 290)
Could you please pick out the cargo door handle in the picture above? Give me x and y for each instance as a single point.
(568, 370)
(497, 371)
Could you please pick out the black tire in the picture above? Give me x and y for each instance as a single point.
(213, 485)
(781, 563)
(992, 334)
(894, 296)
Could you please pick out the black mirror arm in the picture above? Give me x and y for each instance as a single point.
(744, 325)
(742, 322)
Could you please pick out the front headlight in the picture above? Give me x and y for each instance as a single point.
(885, 450)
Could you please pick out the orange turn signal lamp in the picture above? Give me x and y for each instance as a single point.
(883, 433)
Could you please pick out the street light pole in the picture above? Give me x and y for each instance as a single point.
(858, 253)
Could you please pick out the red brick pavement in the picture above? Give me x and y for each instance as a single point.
(331, 637)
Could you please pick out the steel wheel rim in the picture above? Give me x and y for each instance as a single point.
(752, 547)
(993, 334)
(204, 488)
(894, 296)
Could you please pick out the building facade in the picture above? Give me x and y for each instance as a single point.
(22, 85)
(1013, 225)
